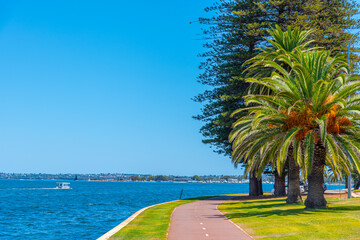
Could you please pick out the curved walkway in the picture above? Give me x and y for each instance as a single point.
(201, 220)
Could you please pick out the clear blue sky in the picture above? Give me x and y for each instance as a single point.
(102, 86)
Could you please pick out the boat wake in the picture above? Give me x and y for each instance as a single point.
(34, 188)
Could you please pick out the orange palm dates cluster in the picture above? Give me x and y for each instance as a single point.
(306, 120)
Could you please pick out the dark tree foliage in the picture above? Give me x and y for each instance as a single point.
(236, 31)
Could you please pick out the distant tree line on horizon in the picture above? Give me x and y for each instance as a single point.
(116, 177)
(133, 177)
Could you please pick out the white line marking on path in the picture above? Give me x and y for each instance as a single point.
(201, 223)
(204, 228)
(207, 235)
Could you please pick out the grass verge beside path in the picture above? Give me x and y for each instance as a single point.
(274, 219)
(153, 223)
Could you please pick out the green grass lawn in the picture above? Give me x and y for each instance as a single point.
(153, 223)
(274, 219)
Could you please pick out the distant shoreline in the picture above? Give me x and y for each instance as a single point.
(121, 177)
(32, 179)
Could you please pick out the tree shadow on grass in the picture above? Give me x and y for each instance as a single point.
(262, 213)
(343, 208)
(266, 203)
(265, 206)
(261, 210)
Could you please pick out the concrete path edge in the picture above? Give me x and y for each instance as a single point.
(107, 235)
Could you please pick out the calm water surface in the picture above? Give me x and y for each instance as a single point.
(34, 209)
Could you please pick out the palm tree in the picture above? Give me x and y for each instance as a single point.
(283, 43)
(310, 109)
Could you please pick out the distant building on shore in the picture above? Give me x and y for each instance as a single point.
(182, 179)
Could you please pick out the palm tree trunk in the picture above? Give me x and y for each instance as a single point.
(357, 183)
(279, 185)
(260, 189)
(315, 198)
(346, 182)
(255, 185)
(294, 195)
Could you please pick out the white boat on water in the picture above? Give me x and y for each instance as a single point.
(63, 185)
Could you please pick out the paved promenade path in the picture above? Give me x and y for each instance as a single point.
(201, 220)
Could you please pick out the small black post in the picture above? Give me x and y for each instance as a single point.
(181, 194)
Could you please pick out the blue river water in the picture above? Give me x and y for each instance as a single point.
(34, 209)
